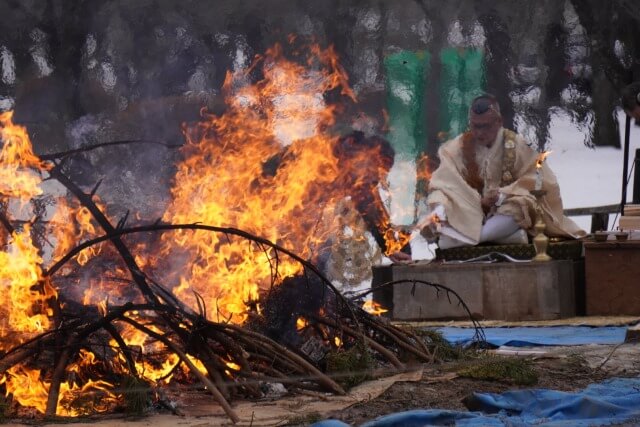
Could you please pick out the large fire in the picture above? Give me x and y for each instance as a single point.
(23, 311)
(269, 166)
(23, 303)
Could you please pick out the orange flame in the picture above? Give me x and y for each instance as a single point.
(71, 224)
(301, 323)
(266, 166)
(423, 169)
(22, 310)
(374, 308)
(395, 240)
(234, 366)
(18, 164)
(432, 219)
(541, 158)
(28, 389)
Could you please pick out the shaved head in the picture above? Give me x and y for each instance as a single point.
(485, 119)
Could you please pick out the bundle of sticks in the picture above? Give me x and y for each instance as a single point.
(230, 360)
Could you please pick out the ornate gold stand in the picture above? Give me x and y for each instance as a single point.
(540, 241)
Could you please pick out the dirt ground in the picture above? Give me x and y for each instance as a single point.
(559, 368)
(433, 386)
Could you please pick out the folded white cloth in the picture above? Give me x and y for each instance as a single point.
(519, 237)
(498, 227)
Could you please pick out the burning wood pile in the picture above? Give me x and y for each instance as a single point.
(94, 307)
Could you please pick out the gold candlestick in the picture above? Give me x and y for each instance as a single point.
(540, 241)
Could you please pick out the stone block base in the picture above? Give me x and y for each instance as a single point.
(497, 291)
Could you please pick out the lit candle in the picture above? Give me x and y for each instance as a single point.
(541, 157)
(538, 179)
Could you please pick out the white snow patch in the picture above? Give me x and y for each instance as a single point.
(8, 66)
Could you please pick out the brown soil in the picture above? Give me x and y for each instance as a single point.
(559, 368)
(570, 371)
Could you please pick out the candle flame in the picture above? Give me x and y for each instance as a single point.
(541, 158)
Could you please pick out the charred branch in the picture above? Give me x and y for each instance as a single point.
(192, 368)
(6, 223)
(448, 292)
(236, 358)
(58, 376)
(87, 201)
(159, 228)
(388, 354)
(293, 357)
(68, 153)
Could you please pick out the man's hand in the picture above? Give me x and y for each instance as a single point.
(429, 225)
(429, 232)
(399, 257)
(489, 200)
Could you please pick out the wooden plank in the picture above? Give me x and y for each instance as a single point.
(612, 286)
(629, 222)
(592, 210)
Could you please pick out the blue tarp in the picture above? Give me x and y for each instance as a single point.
(613, 401)
(534, 336)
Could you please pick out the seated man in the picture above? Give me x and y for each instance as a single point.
(481, 190)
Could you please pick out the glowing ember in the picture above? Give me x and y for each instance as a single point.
(301, 323)
(435, 219)
(233, 366)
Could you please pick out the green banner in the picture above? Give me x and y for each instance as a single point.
(462, 78)
(406, 73)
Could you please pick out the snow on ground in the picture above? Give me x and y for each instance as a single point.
(588, 176)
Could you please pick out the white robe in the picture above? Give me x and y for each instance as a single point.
(461, 202)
